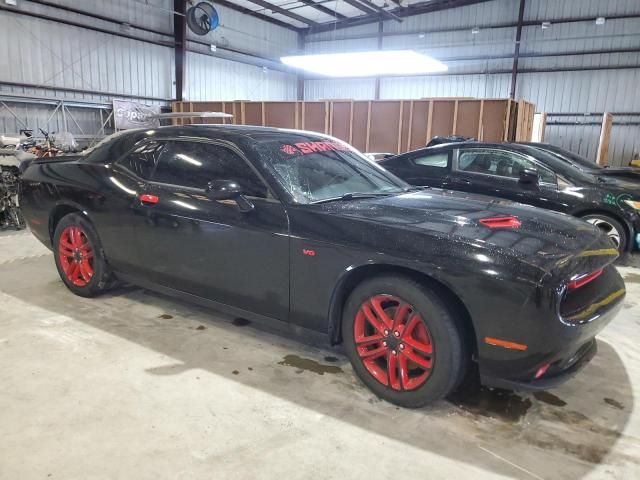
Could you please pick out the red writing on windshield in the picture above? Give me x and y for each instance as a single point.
(304, 148)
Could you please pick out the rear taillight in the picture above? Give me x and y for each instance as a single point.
(583, 280)
(501, 222)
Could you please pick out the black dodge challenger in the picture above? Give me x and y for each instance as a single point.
(530, 175)
(421, 286)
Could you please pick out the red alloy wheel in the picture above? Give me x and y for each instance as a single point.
(393, 342)
(76, 256)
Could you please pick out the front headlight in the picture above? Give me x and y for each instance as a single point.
(633, 204)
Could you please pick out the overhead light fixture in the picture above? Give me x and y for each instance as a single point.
(475, 30)
(366, 64)
(600, 20)
(421, 35)
(546, 25)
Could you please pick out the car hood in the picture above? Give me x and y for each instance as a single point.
(628, 173)
(542, 238)
(622, 182)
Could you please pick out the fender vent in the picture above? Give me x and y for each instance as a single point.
(501, 222)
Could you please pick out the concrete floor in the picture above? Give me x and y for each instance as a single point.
(137, 385)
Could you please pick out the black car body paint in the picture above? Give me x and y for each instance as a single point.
(295, 262)
(575, 192)
(578, 161)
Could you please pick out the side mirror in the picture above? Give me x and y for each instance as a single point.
(529, 176)
(228, 190)
(223, 190)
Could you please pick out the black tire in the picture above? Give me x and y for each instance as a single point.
(616, 232)
(101, 278)
(450, 355)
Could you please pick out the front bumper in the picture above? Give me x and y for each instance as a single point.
(562, 344)
(557, 374)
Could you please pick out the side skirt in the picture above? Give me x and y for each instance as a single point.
(274, 324)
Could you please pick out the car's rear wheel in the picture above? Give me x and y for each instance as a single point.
(612, 227)
(79, 257)
(403, 341)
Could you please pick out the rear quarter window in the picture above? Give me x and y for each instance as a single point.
(438, 160)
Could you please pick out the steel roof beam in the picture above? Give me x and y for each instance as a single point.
(285, 12)
(323, 9)
(416, 9)
(382, 11)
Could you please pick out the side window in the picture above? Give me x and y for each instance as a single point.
(195, 164)
(142, 160)
(478, 161)
(439, 160)
(500, 163)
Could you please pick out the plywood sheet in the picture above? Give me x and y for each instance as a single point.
(360, 129)
(468, 118)
(316, 117)
(494, 117)
(280, 114)
(340, 122)
(443, 118)
(252, 113)
(384, 126)
(405, 120)
(419, 125)
(602, 157)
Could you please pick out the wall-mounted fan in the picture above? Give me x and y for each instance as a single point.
(202, 18)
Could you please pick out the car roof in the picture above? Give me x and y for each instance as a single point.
(214, 131)
(468, 143)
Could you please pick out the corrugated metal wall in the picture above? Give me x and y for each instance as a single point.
(582, 92)
(45, 53)
(210, 78)
(86, 68)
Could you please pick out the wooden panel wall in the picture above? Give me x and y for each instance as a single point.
(394, 126)
(385, 126)
(524, 126)
(361, 126)
(315, 116)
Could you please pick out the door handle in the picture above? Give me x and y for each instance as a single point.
(147, 199)
(461, 181)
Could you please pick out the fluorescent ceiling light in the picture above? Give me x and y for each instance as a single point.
(366, 64)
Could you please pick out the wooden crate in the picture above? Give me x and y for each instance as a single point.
(394, 126)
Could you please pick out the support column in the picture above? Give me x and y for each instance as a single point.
(380, 37)
(180, 49)
(300, 75)
(516, 53)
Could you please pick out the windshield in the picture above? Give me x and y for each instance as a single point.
(106, 140)
(558, 164)
(577, 160)
(314, 169)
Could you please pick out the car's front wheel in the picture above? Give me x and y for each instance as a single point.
(79, 257)
(403, 341)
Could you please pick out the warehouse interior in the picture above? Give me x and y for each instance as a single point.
(138, 383)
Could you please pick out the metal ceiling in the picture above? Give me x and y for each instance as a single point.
(312, 16)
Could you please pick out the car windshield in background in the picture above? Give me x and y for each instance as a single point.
(318, 170)
(577, 160)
